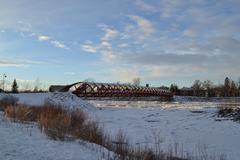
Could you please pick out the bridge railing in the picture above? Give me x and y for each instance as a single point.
(88, 89)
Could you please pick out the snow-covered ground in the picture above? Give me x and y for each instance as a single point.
(26, 142)
(68, 100)
(192, 124)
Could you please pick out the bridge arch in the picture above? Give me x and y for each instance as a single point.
(90, 89)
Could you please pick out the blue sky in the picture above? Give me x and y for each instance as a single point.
(160, 41)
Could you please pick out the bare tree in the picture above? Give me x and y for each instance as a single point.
(239, 84)
(37, 85)
(233, 89)
(4, 76)
(26, 87)
(208, 86)
(197, 86)
(136, 81)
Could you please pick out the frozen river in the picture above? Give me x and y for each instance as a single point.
(190, 123)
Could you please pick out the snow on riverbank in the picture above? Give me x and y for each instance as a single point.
(66, 99)
(190, 124)
(26, 142)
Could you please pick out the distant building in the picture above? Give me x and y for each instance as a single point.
(185, 91)
(56, 88)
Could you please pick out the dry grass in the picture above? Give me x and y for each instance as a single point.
(6, 101)
(58, 123)
(22, 113)
(231, 112)
(54, 122)
(121, 145)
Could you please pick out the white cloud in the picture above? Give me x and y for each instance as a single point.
(104, 48)
(125, 75)
(11, 63)
(109, 33)
(56, 43)
(105, 44)
(145, 26)
(17, 62)
(146, 6)
(123, 45)
(89, 48)
(32, 34)
(108, 56)
(44, 38)
(59, 44)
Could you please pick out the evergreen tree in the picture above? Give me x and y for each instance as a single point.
(174, 89)
(14, 86)
(227, 87)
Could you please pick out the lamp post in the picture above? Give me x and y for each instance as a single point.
(3, 81)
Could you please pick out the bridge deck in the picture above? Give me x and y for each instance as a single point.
(87, 89)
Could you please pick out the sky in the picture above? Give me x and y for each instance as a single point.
(160, 41)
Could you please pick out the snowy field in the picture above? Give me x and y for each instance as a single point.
(26, 142)
(190, 123)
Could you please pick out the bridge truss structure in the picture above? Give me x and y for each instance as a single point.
(90, 89)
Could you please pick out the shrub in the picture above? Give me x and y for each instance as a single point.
(121, 145)
(22, 113)
(58, 123)
(8, 100)
(54, 122)
(78, 118)
(232, 112)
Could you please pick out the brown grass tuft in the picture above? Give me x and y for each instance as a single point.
(54, 122)
(6, 101)
(58, 123)
(22, 113)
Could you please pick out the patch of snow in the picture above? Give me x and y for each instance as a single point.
(66, 99)
(71, 101)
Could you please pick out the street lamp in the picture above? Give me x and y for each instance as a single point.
(3, 82)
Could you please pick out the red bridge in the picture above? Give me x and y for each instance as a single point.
(89, 89)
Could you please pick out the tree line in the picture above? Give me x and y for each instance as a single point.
(207, 88)
(15, 88)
